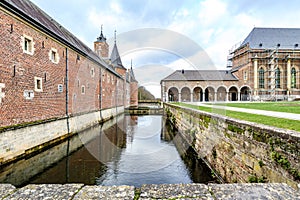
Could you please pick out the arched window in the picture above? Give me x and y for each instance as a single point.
(293, 78)
(261, 78)
(277, 77)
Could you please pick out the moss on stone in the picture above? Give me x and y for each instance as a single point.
(234, 128)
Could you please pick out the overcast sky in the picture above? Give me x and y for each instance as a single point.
(214, 25)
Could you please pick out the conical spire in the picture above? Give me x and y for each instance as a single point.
(132, 77)
(115, 56)
(101, 38)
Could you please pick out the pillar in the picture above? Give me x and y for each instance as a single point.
(288, 76)
(179, 97)
(255, 75)
(191, 97)
(273, 77)
(239, 96)
(163, 92)
(227, 96)
(216, 96)
(203, 96)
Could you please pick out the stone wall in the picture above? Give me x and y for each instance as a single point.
(21, 141)
(240, 151)
(175, 191)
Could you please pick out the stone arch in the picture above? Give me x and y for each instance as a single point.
(173, 94)
(233, 93)
(209, 93)
(245, 93)
(222, 93)
(197, 94)
(185, 94)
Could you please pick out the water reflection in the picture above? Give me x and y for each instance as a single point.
(131, 150)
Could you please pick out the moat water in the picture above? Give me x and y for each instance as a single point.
(128, 150)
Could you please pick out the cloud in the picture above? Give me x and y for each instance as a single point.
(212, 26)
(211, 11)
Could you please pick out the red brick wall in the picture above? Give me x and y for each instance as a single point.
(133, 94)
(18, 69)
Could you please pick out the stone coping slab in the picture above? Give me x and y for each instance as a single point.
(106, 192)
(46, 191)
(254, 191)
(247, 191)
(175, 191)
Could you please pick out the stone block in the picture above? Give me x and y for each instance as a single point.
(105, 192)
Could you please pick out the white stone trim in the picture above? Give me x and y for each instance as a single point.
(31, 44)
(82, 89)
(38, 84)
(56, 58)
(2, 94)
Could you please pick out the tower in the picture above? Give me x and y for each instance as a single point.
(101, 47)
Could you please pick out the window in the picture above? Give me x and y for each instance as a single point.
(82, 89)
(245, 75)
(53, 56)
(277, 78)
(261, 78)
(293, 78)
(92, 72)
(28, 94)
(27, 44)
(38, 84)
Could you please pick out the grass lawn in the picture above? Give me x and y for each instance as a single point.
(290, 107)
(271, 121)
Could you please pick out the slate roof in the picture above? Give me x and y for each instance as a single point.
(37, 17)
(269, 38)
(115, 57)
(201, 75)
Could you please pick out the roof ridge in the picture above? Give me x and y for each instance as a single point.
(45, 23)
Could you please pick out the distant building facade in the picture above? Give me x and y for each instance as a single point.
(47, 73)
(265, 66)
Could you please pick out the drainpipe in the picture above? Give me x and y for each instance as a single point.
(100, 93)
(67, 91)
(116, 96)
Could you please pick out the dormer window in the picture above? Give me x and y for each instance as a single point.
(27, 44)
(53, 56)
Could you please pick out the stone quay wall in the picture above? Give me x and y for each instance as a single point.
(22, 141)
(240, 151)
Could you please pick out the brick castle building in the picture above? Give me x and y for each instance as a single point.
(265, 66)
(46, 73)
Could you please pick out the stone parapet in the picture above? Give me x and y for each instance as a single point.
(172, 191)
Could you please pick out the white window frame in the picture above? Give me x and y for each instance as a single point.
(245, 74)
(54, 52)
(29, 48)
(93, 72)
(38, 84)
(82, 89)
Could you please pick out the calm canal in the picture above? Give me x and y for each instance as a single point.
(128, 150)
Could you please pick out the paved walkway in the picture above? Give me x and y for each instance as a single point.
(285, 115)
